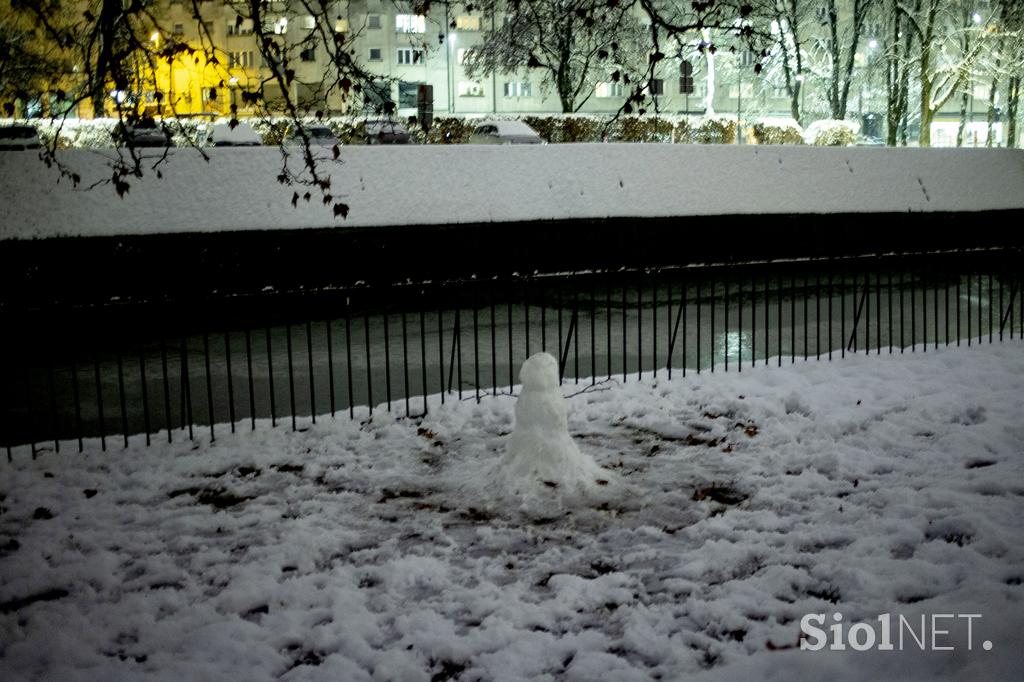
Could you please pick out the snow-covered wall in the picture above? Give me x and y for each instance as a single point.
(238, 190)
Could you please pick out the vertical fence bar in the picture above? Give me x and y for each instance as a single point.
(778, 283)
(312, 372)
(670, 338)
(725, 322)
(270, 380)
(494, 348)
(576, 337)
(369, 363)
(440, 351)
(166, 387)
(405, 360)
(348, 358)
(330, 364)
(526, 313)
(711, 335)
(511, 340)
(607, 321)
(145, 394)
(123, 402)
(625, 304)
(804, 297)
(753, 319)
(231, 383)
(639, 326)
(476, 350)
(593, 331)
(683, 304)
(186, 380)
(291, 374)
(423, 350)
(792, 318)
(739, 321)
(699, 282)
(387, 358)
(654, 323)
(99, 401)
(209, 384)
(878, 307)
(817, 313)
(252, 387)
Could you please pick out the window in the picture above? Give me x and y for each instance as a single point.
(179, 29)
(518, 89)
(410, 23)
(609, 89)
(239, 27)
(210, 94)
(341, 26)
(244, 59)
(409, 55)
(470, 89)
(281, 26)
(308, 22)
(407, 93)
(372, 21)
(747, 58)
(465, 22)
(375, 55)
(308, 55)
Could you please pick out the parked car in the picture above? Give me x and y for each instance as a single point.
(17, 137)
(504, 132)
(386, 132)
(144, 133)
(242, 135)
(869, 141)
(319, 135)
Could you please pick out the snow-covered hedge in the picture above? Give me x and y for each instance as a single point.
(717, 129)
(831, 133)
(778, 131)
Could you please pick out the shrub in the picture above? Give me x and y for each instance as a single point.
(778, 131)
(546, 126)
(579, 129)
(644, 129)
(830, 133)
(715, 130)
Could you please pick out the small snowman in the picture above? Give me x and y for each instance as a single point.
(541, 460)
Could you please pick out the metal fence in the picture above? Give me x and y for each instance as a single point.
(139, 372)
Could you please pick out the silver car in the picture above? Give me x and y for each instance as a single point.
(504, 132)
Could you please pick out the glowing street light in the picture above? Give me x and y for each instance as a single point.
(873, 44)
(976, 18)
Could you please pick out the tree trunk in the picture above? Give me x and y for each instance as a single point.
(964, 99)
(990, 117)
(709, 98)
(1012, 100)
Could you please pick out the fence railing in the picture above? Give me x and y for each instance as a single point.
(143, 371)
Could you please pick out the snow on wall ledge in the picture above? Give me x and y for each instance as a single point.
(238, 190)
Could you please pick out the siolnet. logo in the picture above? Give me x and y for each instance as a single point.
(886, 632)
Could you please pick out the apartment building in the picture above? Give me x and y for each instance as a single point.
(407, 49)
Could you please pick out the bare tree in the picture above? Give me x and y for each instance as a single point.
(790, 19)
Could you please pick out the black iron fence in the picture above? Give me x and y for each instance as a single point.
(140, 371)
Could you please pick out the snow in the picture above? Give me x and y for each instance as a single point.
(352, 550)
(237, 189)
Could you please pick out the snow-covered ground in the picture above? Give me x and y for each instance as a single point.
(237, 189)
(353, 551)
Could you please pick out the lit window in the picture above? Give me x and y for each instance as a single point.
(609, 89)
(372, 21)
(467, 23)
(375, 55)
(518, 89)
(410, 23)
(470, 89)
(341, 26)
(281, 26)
(308, 22)
(409, 55)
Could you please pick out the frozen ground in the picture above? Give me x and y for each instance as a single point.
(355, 551)
(237, 188)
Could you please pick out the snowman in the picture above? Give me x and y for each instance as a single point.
(541, 460)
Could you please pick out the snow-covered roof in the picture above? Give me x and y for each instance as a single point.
(446, 184)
